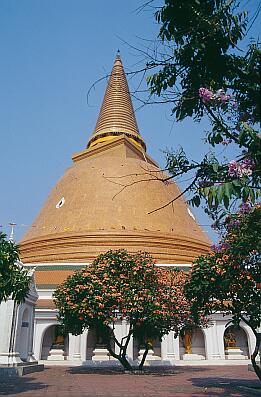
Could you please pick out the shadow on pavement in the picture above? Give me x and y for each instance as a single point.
(230, 387)
(21, 384)
(154, 371)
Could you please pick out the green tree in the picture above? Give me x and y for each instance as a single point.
(202, 72)
(14, 279)
(119, 286)
(229, 278)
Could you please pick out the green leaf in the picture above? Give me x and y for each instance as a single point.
(196, 201)
(210, 198)
(215, 167)
(226, 202)
(227, 189)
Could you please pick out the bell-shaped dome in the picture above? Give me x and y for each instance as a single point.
(110, 198)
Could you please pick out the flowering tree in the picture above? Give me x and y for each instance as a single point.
(14, 280)
(119, 286)
(201, 73)
(228, 279)
(221, 180)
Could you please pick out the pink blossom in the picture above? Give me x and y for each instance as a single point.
(221, 96)
(205, 94)
(233, 168)
(245, 207)
(233, 223)
(224, 98)
(245, 168)
(223, 246)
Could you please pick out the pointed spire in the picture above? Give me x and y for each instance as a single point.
(11, 237)
(116, 115)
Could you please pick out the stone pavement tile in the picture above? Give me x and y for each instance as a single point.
(179, 382)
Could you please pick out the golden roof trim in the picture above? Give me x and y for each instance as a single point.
(85, 246)
(117, 140)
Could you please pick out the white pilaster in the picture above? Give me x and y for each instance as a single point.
(212, 347)
(31, 357)
(77, 347)
(8, 330)
(220, 330)
(83, 347)
(172, 347)
(119, 331)
(130, 345)
(164, 348)
(251, 340)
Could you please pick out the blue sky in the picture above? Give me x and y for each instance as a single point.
(50, 54)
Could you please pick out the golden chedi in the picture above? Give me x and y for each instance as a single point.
(106, 199)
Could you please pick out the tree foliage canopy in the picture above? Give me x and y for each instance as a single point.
(119, 286)
(229, 278)
(14, 279)
(202, 38)
(202, 72)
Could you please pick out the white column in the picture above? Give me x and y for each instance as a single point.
(77, 347)
(31, 357)
(38, 338)
(164, 347)
(126, 328)
(71, 343)
(220, 330)
(8, 330)
(208, 342)
(172, 347)
(37, 342)
(251, 340)
(84, 344)
(212, 347)
(122, 330)
(119, 331)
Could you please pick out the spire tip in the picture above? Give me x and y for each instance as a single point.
(116, 116)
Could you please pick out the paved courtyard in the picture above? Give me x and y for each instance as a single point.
(214, 381)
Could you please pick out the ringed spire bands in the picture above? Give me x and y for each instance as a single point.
(116, 116)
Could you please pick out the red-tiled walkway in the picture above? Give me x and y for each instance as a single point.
(214, 381)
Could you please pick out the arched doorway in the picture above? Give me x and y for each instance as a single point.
(154, 353)
(24, 336)
(235, 343)
(192, 345)
(50, 339)
(95, 348)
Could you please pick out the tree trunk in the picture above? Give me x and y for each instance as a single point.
(254, 354)
(144, 356)
(109, 335)
(121, 357)
(125, 363)
(256, 367)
